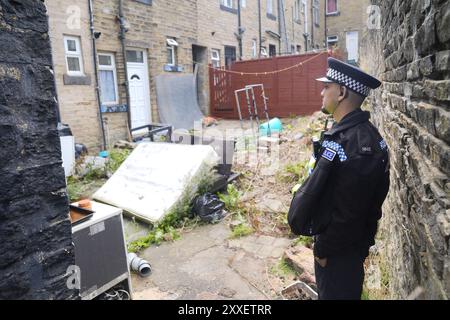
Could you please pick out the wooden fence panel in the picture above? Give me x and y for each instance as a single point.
(290, 92)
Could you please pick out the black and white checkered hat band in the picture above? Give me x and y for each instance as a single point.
(347, 81)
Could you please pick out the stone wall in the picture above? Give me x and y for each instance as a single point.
(77, 102)
(35, 232)
(197, 25)
(410, 53)
(148, 28)
(351, 16)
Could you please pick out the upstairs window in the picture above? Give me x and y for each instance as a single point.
(73, 54)
(305, 13)
(270, 7)
(316, 14)
(332, 7)
(227, 3)
(297, 7)
(254, 49)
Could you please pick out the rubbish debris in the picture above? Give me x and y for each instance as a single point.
(67, 141)
(163, 133)
(272, 126)
(115, 293)
(299, 291)
(80, 150)
(223, 147)
(209, 121)
(141, 266)
(177, 100)
(103, 154)
(209, 208)
(90, 163)
(157, 177)
(123, 144)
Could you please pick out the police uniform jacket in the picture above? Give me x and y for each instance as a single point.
(340, 202)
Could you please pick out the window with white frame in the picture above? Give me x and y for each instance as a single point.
(297, 10)
(227, 3)
(269, 6)
(332, 6)
(316, 14)
(172, 45)
(332, 41)
(107, 78)
(74, 60)
(305, 12)
(254, 49)
(215, 58)
(243, 3)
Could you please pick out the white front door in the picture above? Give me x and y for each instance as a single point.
(352, 45)
(139, 89)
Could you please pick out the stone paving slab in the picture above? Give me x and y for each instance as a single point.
(206, 264)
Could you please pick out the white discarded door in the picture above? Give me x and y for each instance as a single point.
(139, 90)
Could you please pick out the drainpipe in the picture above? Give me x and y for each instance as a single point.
(312, 24)
(97, 87)
(293, 30)
(124, 54)
(325, 25)
(260, 34)
(279, 26)
(239, 30)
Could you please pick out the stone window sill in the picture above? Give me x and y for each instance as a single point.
(114, 108)
(333, 14)
(228, 9)
(76, 80)
(147, 2)
(171, 68)
(271, 17)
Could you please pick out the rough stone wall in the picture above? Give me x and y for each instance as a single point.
(411, 55)
(35, 232)
(352, 16)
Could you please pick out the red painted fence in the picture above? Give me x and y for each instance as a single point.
(290, 92)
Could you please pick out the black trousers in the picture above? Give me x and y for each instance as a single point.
(342, 278)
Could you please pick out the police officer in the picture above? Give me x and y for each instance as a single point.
(340, 202)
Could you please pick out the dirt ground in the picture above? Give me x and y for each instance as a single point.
(266, 183)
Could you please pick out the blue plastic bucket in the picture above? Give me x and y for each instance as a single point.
(275, 127)
(103, 154)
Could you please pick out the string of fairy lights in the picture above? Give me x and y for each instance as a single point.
(297, 65)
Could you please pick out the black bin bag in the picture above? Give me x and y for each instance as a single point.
(209, 208)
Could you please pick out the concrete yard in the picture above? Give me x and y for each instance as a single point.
(206, 264)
